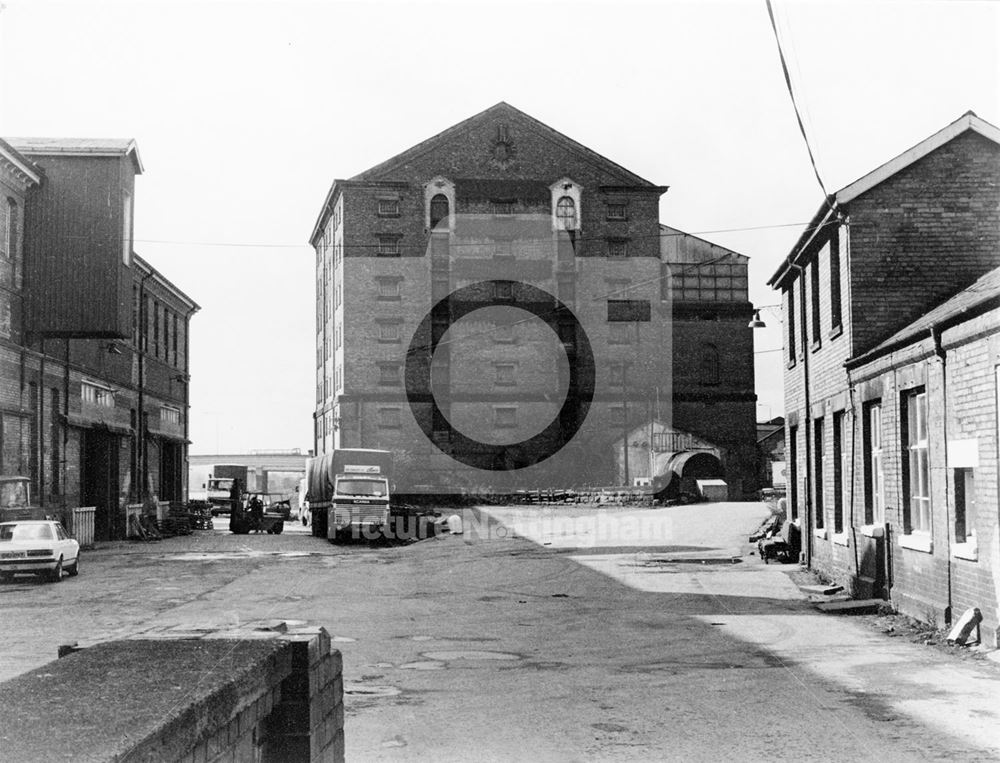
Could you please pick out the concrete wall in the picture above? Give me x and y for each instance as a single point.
(264, 692)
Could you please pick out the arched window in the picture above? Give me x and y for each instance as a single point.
(439, 210)
(566, 213)
(709, 366)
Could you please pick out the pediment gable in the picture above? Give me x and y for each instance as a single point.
(501, 142)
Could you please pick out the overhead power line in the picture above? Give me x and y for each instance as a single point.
(355, 247)
(795, 105)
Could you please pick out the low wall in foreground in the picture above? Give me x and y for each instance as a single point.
(262, 692)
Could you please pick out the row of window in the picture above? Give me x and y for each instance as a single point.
(503, 416)
(390, 245)
(102, 396)
(833, 248)
(439, 210)
(157, 330)
(915, 462)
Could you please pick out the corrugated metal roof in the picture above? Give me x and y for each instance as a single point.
(983, 290)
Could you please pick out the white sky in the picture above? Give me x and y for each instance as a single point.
(245, 112)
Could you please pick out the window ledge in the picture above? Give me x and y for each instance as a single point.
(969, 551)
(790, 364)
(819, 532)
(815, 346)
(840, 539)
(917, 542)
(836, 331)
(872, 531)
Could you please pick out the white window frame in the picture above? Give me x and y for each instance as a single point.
(97, 394)
(918, 487)
(876, 464)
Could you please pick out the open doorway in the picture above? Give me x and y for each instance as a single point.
(99, 482)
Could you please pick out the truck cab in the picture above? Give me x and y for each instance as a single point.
(349, 492)
(360, 503)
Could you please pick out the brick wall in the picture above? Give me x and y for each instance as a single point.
(922, 235)
(266, 692)
(585, 281)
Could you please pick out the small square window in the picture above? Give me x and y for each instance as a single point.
(620, 333)
(388, 418)
(503, 290)
(388, 331)
(388, 207)
(617, 212)
(388, 374)
(505, 417)
(388, 288)
(616, 374)
(505, 374)
(617, 248)
(388, 246)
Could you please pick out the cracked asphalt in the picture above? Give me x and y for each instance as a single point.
(520, 641)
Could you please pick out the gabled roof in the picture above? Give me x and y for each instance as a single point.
(966, 122)
(79, 147)
(144, 267)
(505, 110)
(982, 295)
(22, 166)
(627, 178)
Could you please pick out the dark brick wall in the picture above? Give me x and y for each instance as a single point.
(923, 235)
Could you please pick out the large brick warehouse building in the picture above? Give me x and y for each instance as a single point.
(501, 307)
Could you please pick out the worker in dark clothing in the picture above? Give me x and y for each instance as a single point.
(256, 513)
(235, 493)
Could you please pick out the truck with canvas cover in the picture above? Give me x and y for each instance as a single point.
(349, 492)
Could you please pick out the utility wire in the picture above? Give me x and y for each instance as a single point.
(353, 247)
(795, 105)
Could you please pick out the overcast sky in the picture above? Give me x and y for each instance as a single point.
(245, 112)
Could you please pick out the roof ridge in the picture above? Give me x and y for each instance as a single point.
(428, 143)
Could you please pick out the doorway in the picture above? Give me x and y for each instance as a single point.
(171, 471)
(99, 482)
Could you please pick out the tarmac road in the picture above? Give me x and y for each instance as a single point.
(582, 644)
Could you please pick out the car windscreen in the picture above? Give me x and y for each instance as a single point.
(13, 531)
(375, 488)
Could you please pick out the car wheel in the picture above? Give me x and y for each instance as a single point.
(56, 574)
(75, 569)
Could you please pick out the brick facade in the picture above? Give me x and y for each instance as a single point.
(894, 255)
(69, 404)
(500, 374)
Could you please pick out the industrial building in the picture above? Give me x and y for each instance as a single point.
(93, 339)
(501, 307)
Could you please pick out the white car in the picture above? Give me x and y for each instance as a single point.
(38, 546)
